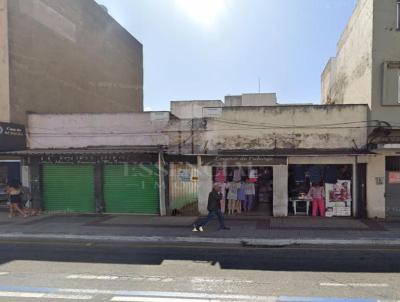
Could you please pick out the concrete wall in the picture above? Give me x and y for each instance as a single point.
(251, 99)
(375, 190)
(328, 78)
(281, 191)
(285, 127)
(386, 47)
(86, 130)
(192, 109)
(4, 64)
(354, 59)
(259, 99)
(205, 187)
(71, 57)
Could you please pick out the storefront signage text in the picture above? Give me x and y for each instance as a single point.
(12, 137)
(244, 161)
(98, 158)
(394, 177)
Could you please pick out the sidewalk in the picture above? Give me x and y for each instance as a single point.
(244, 230)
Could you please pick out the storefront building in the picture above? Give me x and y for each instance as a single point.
(12, 137)
(281, 182)
(97, 181)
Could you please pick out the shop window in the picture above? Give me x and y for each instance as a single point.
(336, 181)
(253, 187)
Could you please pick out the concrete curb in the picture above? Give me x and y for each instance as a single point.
(205, 240)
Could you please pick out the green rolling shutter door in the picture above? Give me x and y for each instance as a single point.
(131, 189)
(68, 188)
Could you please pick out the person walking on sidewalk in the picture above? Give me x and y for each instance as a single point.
(15, 196)
(317, 193)
(214, 209)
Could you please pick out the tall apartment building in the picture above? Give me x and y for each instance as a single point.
(366, 70)
(66, 56)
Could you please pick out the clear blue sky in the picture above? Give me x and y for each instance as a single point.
(206, 49)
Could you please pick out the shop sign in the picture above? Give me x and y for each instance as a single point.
(12, 137)
(184, 175)
(243, 161)
(394, 177)
(98, 158)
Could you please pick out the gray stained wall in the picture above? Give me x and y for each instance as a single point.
(71, 57)
(272, 128)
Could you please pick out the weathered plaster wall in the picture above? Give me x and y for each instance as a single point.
(85, 130)
(71, 57)
(375, 191)
(328, 81)
(280, 189)
(286, 127)
(386, 47)
(4, 64)
(205, 186)
(354, 58)
(192, 109)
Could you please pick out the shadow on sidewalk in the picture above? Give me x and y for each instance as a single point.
(328, 259)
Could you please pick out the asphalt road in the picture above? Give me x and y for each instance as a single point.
(46, 271)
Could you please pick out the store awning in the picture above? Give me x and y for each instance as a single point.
(94, 151)
(296, 152)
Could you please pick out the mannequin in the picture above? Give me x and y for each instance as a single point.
(250, 191)
(232, 196)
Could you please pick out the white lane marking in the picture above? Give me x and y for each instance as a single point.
(210, 280)
(153, 294)
(43, 296)
(120, 278)
(92, 277)
(156, 299)
(4, 273)
(355, 284)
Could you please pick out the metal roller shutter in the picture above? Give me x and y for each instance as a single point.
(131, 189)
(68, 188)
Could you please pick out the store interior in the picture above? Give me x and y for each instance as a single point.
(336, 181)
(254, 181)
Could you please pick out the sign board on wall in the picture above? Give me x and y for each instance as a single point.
(394, 177)
(243, 161)
(12, 137)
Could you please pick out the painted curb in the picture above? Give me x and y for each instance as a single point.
(207, 240)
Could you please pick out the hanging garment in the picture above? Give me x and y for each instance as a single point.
(253, 175)
(315, 174)
(250, 189)
(242, 192)
(331, 174)
(220, 175)
(232, 190)
(237, 174)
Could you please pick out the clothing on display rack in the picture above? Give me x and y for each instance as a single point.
(233, 188)
(220, 176)
(253, 175)
(242, 192)
(250, 188)
(238, 173)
